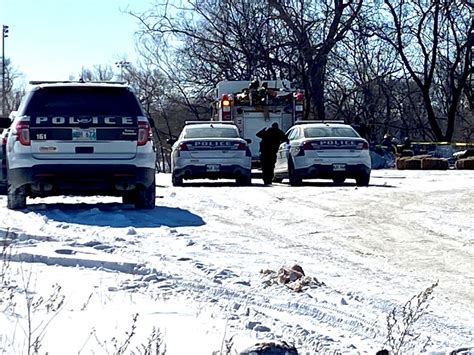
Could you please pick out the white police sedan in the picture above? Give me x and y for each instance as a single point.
(210, 150)
(323, 150)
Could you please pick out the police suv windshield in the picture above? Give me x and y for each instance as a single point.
(211, 132)
(319, 132)
(87, 101)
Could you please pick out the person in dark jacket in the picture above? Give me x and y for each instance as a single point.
(271, 139)
(361, 128)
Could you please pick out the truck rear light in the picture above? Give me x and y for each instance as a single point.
(143, 133)
(23, 132)
(226, 101)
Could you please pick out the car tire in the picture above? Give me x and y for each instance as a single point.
(128, 199)
(145, 197)
(16, 198)
(363, 180)
(339, 180)
(176, 180)
(293, 176)
(277, 179)
(244, 180)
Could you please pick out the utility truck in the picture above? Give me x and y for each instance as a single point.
(253, 105)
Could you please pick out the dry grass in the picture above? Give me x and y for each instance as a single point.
(401, 334)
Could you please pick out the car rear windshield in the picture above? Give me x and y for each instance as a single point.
(211, 132)
(319, 132)
(93, 101)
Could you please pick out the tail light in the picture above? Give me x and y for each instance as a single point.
(299, 96)
(182, 147)
(305, 146)
(143, 133)
(363, 145)
(23, 132)
(243, 146)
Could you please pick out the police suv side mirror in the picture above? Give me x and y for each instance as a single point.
(171, 141)
(248, 140)
(5, 122)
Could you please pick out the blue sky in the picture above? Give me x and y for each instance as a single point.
(53, 39)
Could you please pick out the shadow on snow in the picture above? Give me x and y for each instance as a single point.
(116, 215)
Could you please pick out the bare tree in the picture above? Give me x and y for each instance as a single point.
(97, 73)
(316, 27)
(11, 94)
(433, 41)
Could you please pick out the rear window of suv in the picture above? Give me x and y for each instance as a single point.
(319, 132)
(89, 101)
(211, 132)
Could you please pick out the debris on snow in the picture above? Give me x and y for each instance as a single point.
(280, 348)
(294, 278)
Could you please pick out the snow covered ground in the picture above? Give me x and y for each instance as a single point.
(90, 276)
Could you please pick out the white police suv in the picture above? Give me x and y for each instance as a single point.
(210, 150)
(323, 150)
(76, 138)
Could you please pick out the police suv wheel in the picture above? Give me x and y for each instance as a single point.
(16, 198)
(128, 199)
(145, 197)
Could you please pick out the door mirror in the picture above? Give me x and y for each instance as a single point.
(171, 141)
(248, 140)
(5, 122)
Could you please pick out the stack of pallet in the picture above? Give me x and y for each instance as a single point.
(422, 162)
(465, 164)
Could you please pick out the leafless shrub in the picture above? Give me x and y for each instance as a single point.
(7, 287)
(400, 322)
(52, 304)
(153, 346)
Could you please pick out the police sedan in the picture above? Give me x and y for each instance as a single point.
(323, 150)
(210, 150)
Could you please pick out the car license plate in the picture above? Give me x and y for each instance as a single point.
(339, 167)
(213, 167)
(88, 134)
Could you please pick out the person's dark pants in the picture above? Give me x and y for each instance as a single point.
(268, 166)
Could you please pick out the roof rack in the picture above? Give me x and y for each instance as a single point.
(208, 122)
(38, 82)
(319, 121)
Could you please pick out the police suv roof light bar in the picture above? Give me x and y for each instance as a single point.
(39, 82)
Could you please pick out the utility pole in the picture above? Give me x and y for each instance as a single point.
(122, 64)
(4, 35)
